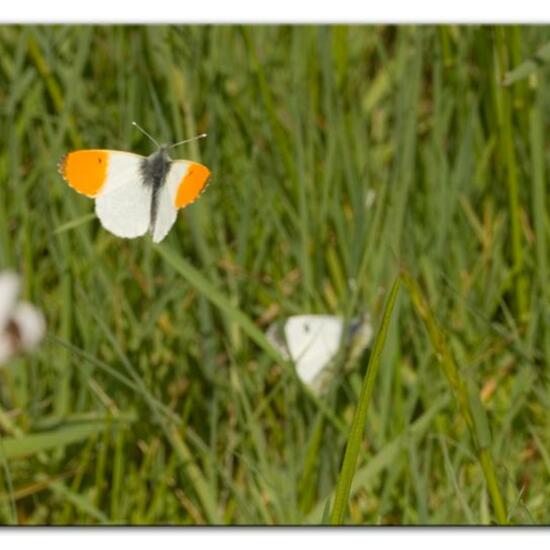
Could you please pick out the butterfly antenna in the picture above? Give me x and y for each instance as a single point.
(187, 140)
(147, 134)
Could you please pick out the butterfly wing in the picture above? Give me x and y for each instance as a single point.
(312, 341)
(184, 183)
(115, 180)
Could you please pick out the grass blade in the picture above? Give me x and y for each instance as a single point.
(197, 280)
(13, 447)
(529, 66)
(81, 220)
(359, 418)
(470, 407)
(383, 459)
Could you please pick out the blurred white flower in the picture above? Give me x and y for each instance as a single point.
(312, 342)
(22, 326)
(370, 198)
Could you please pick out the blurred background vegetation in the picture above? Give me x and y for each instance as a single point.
(341, 157)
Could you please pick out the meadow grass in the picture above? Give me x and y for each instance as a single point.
(343, 159)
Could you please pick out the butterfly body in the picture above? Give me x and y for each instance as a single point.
(154, 169)
(135, 194)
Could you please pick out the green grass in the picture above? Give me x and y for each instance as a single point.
(157, 399)
(349, 466)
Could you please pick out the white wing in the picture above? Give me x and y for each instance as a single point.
(313, 341)
(124, 204)
(166, 210)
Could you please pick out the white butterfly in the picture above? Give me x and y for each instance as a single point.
(22, 326)
(135, 194)
(312, 342)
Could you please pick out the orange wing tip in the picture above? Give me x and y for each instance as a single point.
(192, 184)
(85, 171)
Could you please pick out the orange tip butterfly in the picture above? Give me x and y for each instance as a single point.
(22, 326)
(135, 194)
